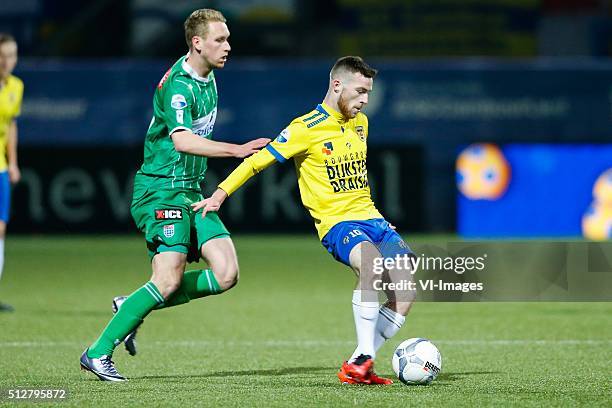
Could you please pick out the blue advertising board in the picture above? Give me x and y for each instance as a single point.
(549, 191)
(110, 103)
(437, 105)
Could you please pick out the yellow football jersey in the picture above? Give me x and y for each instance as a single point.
(330, 160)
(11, 95)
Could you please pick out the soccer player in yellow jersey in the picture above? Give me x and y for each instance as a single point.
(11, 93)
(329, 149)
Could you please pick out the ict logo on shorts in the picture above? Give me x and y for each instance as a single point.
(168, 214)
(169, 231)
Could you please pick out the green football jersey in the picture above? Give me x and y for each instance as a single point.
(183, 101)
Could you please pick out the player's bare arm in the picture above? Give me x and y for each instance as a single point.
(187, 142)
(13, 167)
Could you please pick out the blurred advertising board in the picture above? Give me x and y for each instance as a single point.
(70, 190)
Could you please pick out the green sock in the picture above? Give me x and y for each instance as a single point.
(135, 308)
(195, 284)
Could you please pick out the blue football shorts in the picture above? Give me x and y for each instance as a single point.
(343, 237)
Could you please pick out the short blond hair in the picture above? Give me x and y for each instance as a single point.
(197, 23)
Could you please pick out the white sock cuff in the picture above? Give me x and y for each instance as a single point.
(392, 316)
(358, 300)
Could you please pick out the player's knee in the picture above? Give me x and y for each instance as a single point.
(401, 307)
(2, 229)
(230, 278)
(165, 281)
(167, 285)
(227, 274)
(167, 274)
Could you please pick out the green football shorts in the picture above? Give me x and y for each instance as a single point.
(169, 224)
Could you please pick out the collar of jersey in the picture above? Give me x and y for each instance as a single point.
(325, 108)
(187, 68)
(6, 82)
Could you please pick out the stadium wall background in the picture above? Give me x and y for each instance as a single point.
(83, 125)
(89, 190)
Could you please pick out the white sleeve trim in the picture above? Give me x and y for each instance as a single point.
(178, 128)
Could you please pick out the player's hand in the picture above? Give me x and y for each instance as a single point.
(206, 205)
(14, 173)
(212, 203)
(251, 147)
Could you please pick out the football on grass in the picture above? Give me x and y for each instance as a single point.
(417, 361)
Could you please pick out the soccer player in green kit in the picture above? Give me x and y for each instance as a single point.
(177, 145)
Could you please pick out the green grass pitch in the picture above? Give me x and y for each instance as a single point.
(279, 337)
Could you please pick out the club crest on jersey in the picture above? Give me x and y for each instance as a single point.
(168, 214)
(283, 137)
(169, 231)
(178, 101)
(360, 132)
(328, 148)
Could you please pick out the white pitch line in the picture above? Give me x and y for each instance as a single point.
(524, 342)
(315, 343)
(37, 343)
(310, 343)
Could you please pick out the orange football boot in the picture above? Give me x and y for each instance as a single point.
(345, 379)
(374, 379)
(361, 372)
